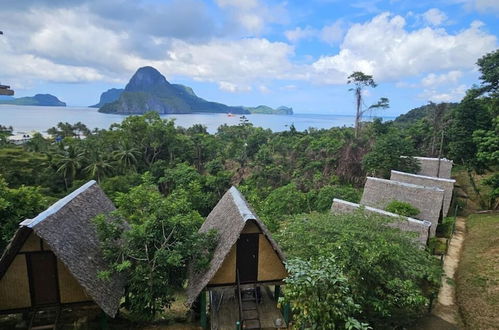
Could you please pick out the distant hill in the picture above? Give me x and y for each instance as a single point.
(148, 90)
(38, 99)
(421, 112)
(108, 96)
(263, 109)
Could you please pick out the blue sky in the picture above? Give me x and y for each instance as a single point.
(250, 52)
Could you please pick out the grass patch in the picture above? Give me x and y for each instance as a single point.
(437, 246)
(477, 280)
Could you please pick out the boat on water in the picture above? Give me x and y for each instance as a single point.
(230, 115)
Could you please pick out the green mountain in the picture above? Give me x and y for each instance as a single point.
(266, 110)
(38, 99)
(148, 90)
(108, 96)
(422, 112)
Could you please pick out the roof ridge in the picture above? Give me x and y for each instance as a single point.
(30, 223)
(425, 176)
(404, 184)
(241, 204)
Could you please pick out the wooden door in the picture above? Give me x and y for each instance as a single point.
(247, 257)
(42, 269)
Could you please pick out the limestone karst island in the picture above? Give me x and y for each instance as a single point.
(249, 164)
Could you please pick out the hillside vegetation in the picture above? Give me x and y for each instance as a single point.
(164, 176)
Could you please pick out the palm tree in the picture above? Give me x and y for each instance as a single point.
(126, 156)
(69, 164)
(99, 167)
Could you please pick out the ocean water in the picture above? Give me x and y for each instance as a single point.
(38, 118)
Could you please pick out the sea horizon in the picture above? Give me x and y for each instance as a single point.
(25, 119)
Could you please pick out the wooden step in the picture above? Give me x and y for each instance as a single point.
(44, 318)
(251, 324)
(250, 315)
(249, 305)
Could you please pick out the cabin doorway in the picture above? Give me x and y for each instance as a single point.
(247, 257)
(42, 269)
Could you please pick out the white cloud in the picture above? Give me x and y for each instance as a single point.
(384, 48)
(232, 88)
(480, 5)
(264, 89)
(56, 48)
(333, 33)
(299, 34)
(432, 79)
(434, 17)
(253, 15)
(330, 34)
(452, 95)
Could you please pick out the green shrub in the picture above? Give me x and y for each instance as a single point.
(402, 208)
(387, 275)
(445, 228)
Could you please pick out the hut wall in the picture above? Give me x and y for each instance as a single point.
(14, 285)
(429, 167)
(270, 267)
(69, 289)
(32, 243)
(446, 184)
(251, 228)
(378, 193)
(227, 272)
(418, 227)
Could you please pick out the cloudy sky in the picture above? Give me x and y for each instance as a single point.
(250, 52)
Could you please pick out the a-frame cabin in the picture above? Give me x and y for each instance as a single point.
(245, 264)
(53, 260)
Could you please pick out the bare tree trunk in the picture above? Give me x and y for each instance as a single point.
(358, 115)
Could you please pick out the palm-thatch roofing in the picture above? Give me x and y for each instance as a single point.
(379, 193)
(67, 228)
(428, 181)
(228, 218)
(420, 227)
(437, 167)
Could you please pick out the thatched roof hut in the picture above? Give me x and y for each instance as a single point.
(55, 258)
(234, 219)
(437, 167)
(428, 181)
(378, 193)
(420, 227)
(5, 90)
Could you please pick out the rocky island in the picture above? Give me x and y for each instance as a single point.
(38, 99)
(148, 90)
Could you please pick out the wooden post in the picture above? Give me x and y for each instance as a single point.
(203, 322)
(103, 321)
(286, 313)
(277, 292)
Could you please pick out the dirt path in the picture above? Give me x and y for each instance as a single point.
(446, 307)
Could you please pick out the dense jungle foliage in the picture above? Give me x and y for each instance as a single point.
(165, 179)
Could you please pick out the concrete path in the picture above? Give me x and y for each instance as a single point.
(446, 307)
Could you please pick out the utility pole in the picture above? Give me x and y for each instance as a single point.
(4, 89)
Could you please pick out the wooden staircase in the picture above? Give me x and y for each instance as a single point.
(45, 318)
(248, 299)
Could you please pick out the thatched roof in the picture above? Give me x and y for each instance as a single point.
(428, 181)
(379, 193)
(420, 227)
(437, 167)
(228, 218)
(67, 228)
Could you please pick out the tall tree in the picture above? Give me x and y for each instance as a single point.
(361, 81)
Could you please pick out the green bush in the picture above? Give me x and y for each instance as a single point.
(402, 208)
(445, 228)
(387, 275)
